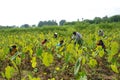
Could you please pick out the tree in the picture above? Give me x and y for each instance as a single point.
(88, 21)
(48, 23)
(33, 25)
(115, 18)
(25, 26)
(61, 23)
(40, 24)
(97, 20)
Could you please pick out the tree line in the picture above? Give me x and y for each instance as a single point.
(96, 20)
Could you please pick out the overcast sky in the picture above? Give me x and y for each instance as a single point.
(18, 12)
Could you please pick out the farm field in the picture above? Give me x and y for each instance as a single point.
(34, 61)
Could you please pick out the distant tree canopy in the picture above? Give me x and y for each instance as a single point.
(97, 20)
(25, 26)
(62, 22)
(48, 23)
(115, 18)
(33, 25)
(70, 23)
(8, 26)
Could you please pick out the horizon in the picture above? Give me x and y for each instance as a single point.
(19, 12)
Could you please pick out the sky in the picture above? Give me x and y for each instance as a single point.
(19, 12)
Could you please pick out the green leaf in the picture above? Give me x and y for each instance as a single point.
(14, 56)
(18, 60)
(3, 75)
(114, 68)
(67, 57)
(101, 53)
(35, 78)
(77, 66)
(32, 78)
(82, 76)
(58, 55)
(110, 58)
(83, 60)
(35, 69)
(15, 66)
(92, 62)
(33, 61)
(9, 71)
(94, 54)
(47, 59)
(114, 48)
(39, 52)
(22, 56)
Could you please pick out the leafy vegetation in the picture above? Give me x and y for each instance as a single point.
(34, 61)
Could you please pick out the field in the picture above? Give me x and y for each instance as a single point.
(34, 61)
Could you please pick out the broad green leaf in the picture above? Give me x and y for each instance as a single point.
(119, 55)
(77, 66)
(31, 52)
(32, 78)
(35, 69)
(92, 62)
(3, 75)
(47, 58)
(114, 48)
(114, 68)
(58, 55)
(101, 53)
(57, 68)
(15, 66)
(94, 54)
(15, 55)
(22, 56)
(9, 71)
(83, 60)
(35, 78)
(67, 57)
(39, 52)
(18, 60)
(82, 76)
(33, 61)
(110, 58)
